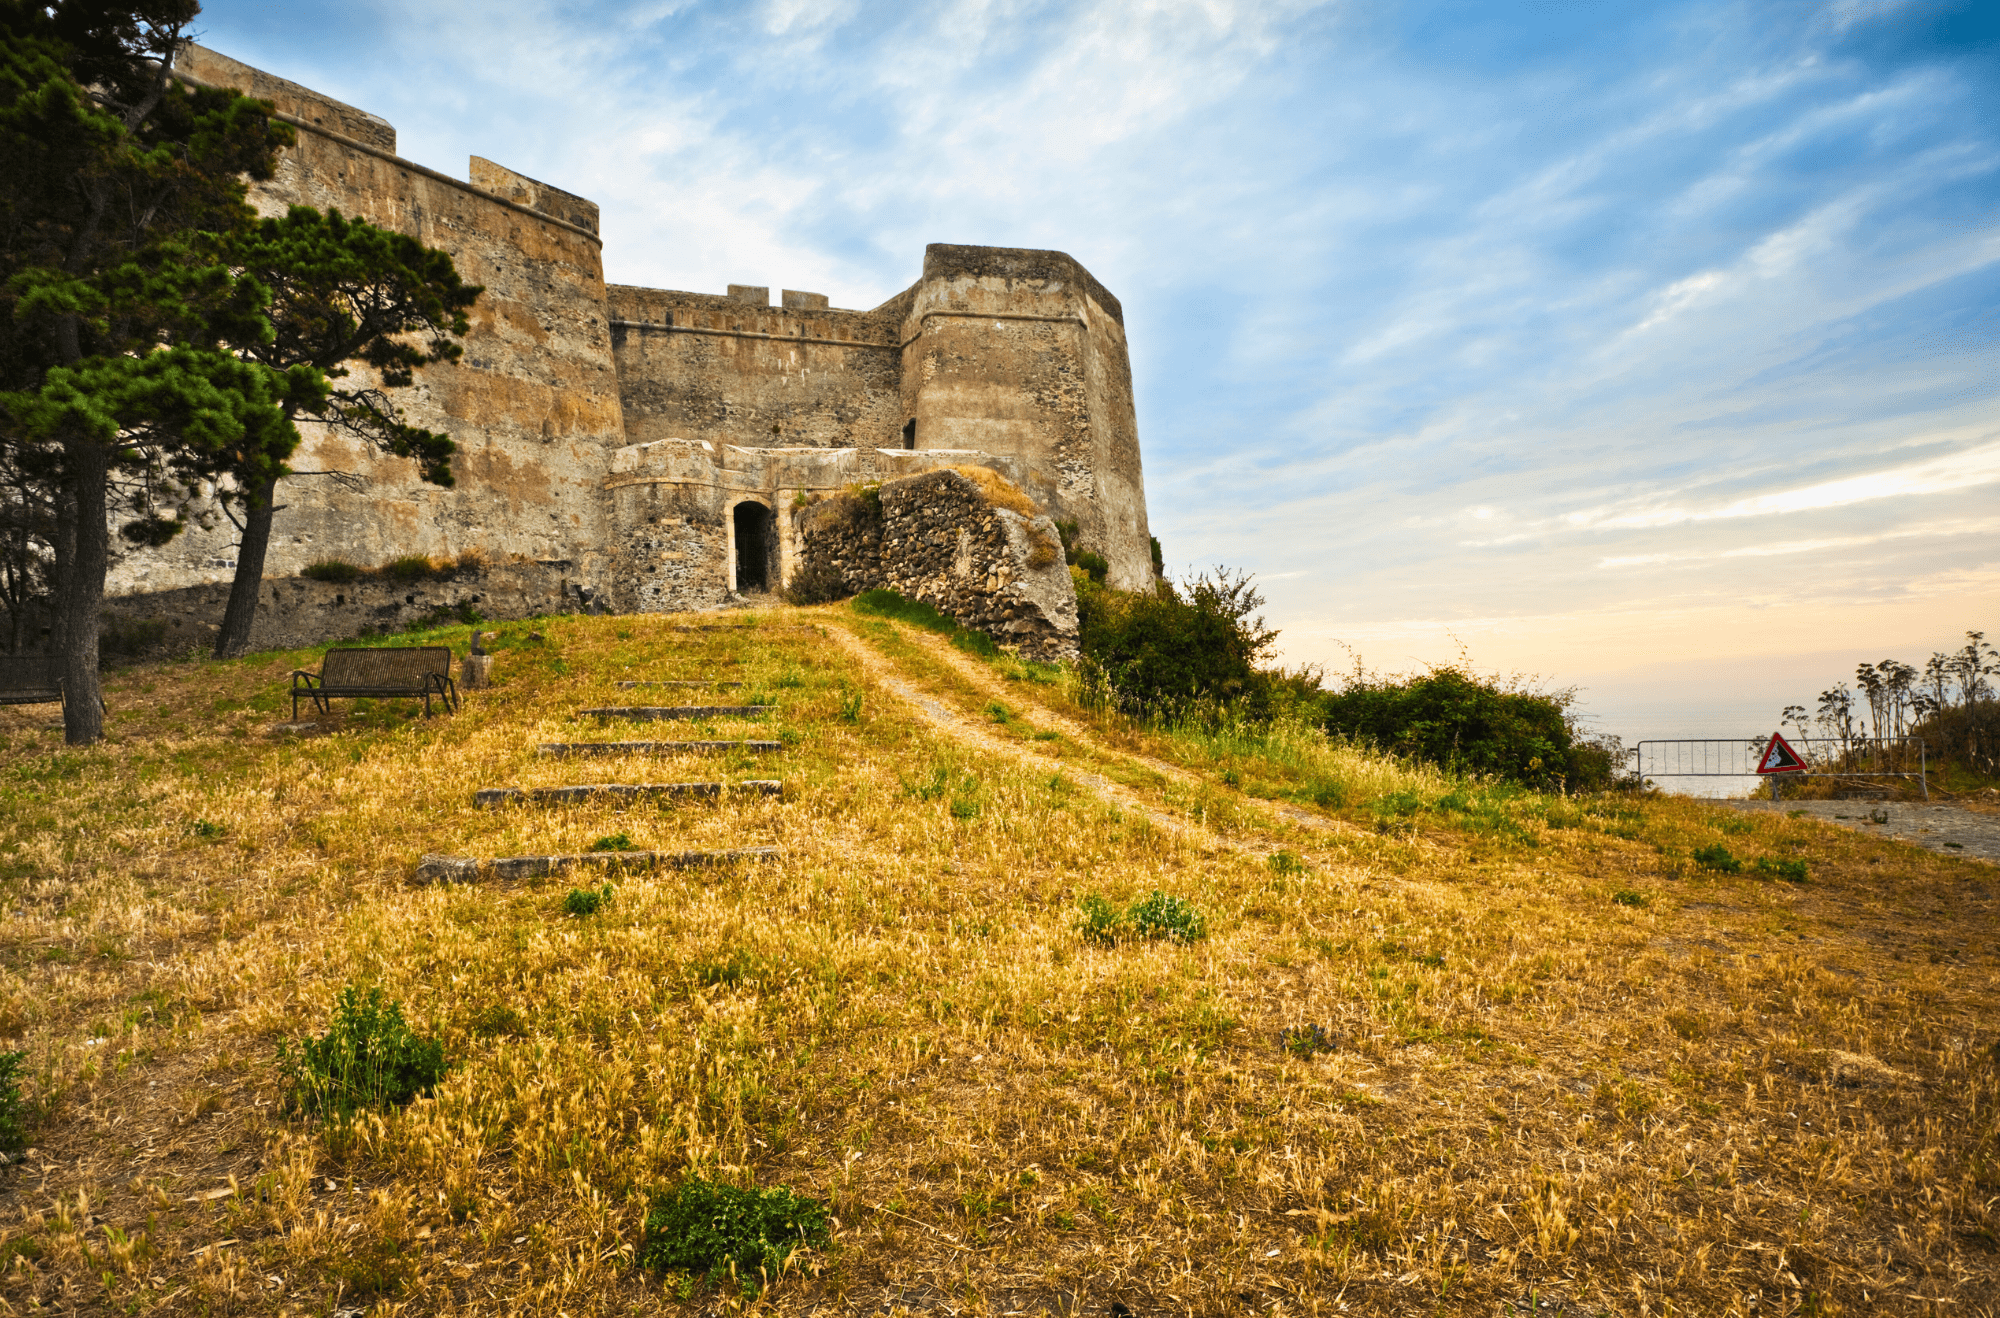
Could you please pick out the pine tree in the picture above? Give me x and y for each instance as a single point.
(112, 324)
(340, 291)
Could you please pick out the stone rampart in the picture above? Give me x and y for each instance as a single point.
(937, 538)
(738, 371)
(297, 612)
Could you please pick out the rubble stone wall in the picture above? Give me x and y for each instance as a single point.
(936, 538)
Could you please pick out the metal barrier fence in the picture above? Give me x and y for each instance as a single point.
(1826, 757)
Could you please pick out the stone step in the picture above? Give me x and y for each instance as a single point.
(467, 869)
(562, 749)
(629, 685)
(582, 793)
(658, 712)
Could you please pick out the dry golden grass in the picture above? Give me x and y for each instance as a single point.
(998, 491)
(1732, 1097)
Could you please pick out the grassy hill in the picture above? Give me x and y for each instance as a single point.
(1563, 1060)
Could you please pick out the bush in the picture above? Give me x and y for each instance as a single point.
(1154, 648)
(705, 1229)
(1793, 871)
(1629, 897)
(1469, 724)
(1156, 915)
(613, 842)
(587, 901)
(818, 582)
(331, 569)
(1716, 857)
(368, 1058)
(13, 1118)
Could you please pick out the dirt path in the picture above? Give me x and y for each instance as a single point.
(881, 671)
(981, 678)
(1949, 830)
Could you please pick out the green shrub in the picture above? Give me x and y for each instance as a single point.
(1153, 649)
(410, 567)
(1792, 870)
(850, 707)
(1156, 915)
(1464, 723)
(1285, 862)
(1101, 921)
(818, 582)
(587, 901)
(1715, 856)
(614, 842)
(705, 1229)
(1160, 915)
(331, 569)
(368, 1058)
(1627, 897)
(13, 1117)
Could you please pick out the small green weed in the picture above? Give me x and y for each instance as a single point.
(614, 842)
(13, 1125)
(1793, 871)
(1101, 921)
(1156, 915)
(1715, 856)
(1306, 1041)
(1628, 897)
(206, 831)
(369, 1057)
(850, 707)
(1285, 862)
(998, 712)
(587, 901)
(701, 1228)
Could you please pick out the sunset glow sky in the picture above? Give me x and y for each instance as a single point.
(1654, 348)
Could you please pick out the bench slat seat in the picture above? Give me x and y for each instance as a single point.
(420, 670)
(31, 679)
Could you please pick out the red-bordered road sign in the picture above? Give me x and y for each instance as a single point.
(1779, 757)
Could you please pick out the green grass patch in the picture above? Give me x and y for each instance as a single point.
(368, 1058)
(704, 1229)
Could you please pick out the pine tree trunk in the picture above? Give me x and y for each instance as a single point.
(82, 595)
(248, 585)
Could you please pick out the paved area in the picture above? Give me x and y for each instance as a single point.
(1951, 830)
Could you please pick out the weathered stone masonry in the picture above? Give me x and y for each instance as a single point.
(936, 538)
(648, 447)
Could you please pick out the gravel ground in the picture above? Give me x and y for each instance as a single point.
(1951, 830)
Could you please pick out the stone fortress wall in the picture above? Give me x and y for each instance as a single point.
(646, 449)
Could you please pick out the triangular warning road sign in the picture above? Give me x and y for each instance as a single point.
(1779, 757)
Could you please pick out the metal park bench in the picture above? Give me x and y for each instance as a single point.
(408, 671)
(31, 679)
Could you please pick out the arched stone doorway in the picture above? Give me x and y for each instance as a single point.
(756, 546)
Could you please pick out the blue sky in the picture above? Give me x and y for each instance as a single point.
(1654, 348)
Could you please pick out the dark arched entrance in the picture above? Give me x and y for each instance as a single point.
(753, 547)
